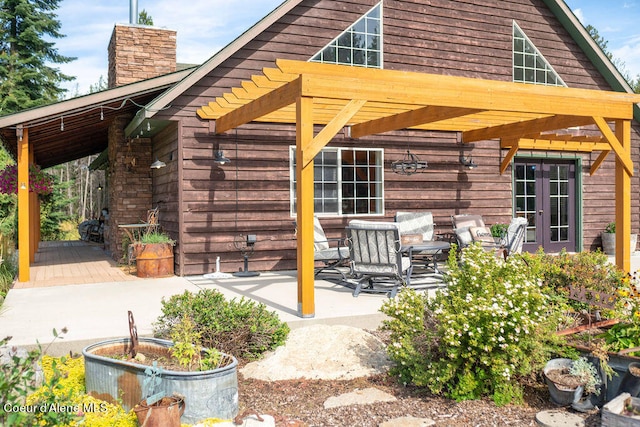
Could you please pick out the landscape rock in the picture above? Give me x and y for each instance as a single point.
(408, 422)
(322, 352)
(359, 397)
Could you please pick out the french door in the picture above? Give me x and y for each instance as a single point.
(545, 194)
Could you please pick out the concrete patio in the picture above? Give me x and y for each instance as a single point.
(93, 305)
(77, 286)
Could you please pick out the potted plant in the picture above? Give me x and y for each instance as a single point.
(609, 239)
(154, 255)
(499, 232)
(569, 379)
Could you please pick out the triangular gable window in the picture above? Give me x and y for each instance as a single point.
(359, 45)
(529, 66)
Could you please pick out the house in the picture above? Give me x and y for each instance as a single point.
(516, 87)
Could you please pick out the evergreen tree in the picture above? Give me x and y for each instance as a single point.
(144, 18)
(617, 62)
(26, 80)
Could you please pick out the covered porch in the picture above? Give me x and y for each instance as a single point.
(363, 102)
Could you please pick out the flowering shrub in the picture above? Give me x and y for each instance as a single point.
(64, 388)
(590, 270)
(39, 182)
(491, 325)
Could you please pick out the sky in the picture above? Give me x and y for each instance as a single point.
(205, 26)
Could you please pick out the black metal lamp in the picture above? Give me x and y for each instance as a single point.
(467, 162)
(409, 164)
(220, 158)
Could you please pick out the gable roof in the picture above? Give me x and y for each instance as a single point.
(77, 127)
(558, 7)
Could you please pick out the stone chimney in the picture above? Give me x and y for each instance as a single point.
(139, 52)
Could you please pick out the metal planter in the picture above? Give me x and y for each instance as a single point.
(206, 394)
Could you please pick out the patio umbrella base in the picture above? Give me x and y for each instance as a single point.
(246, 272)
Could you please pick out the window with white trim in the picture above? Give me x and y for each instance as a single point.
(359, 45)
(347, 181)
(529, 65)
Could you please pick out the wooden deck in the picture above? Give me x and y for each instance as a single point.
(73, 263)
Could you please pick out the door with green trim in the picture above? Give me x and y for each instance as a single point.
(544, 193)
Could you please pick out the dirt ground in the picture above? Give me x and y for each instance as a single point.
(297, 399)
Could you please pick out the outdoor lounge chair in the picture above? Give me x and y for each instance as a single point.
(331, 257)
(463, 225)
(415, 223)
(471, 228)
(515, 236)
(376, 257)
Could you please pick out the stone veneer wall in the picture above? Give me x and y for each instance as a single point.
(139, 52)
(130, 182)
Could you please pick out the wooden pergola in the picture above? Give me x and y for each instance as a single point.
(372, 101)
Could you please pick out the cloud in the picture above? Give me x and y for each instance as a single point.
(580, 15)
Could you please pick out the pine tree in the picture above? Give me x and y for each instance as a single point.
(26, 80)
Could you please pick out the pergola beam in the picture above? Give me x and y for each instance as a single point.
(274, 100)
(622, 153)
(523, 128)
(408, 119)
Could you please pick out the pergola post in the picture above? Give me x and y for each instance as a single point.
(623, 197)
(24, 210)
(304, 198)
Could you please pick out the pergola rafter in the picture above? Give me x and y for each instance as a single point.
(372, 101)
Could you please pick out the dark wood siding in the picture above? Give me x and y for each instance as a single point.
(251, 194)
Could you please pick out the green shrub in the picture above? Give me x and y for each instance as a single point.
(8, 270)
(475, 338)
(17, 381)
(590, 270)
(242, 328)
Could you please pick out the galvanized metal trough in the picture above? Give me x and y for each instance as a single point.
(212, 393)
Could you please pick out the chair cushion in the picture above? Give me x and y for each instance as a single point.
(415, 223)
(331, 254)
(320, 242)
(481, 234)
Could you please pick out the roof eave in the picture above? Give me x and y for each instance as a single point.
(595, 54)
(62, 107)
(168, 96)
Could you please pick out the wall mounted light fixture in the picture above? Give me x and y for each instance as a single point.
(409, 164)
(467, 162)
(220, 158)
(158, 164)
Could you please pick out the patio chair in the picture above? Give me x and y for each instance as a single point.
(331, 257)
(462, 227)
(515, 236)
(376, 257)
(415, 223)
(415, 229)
